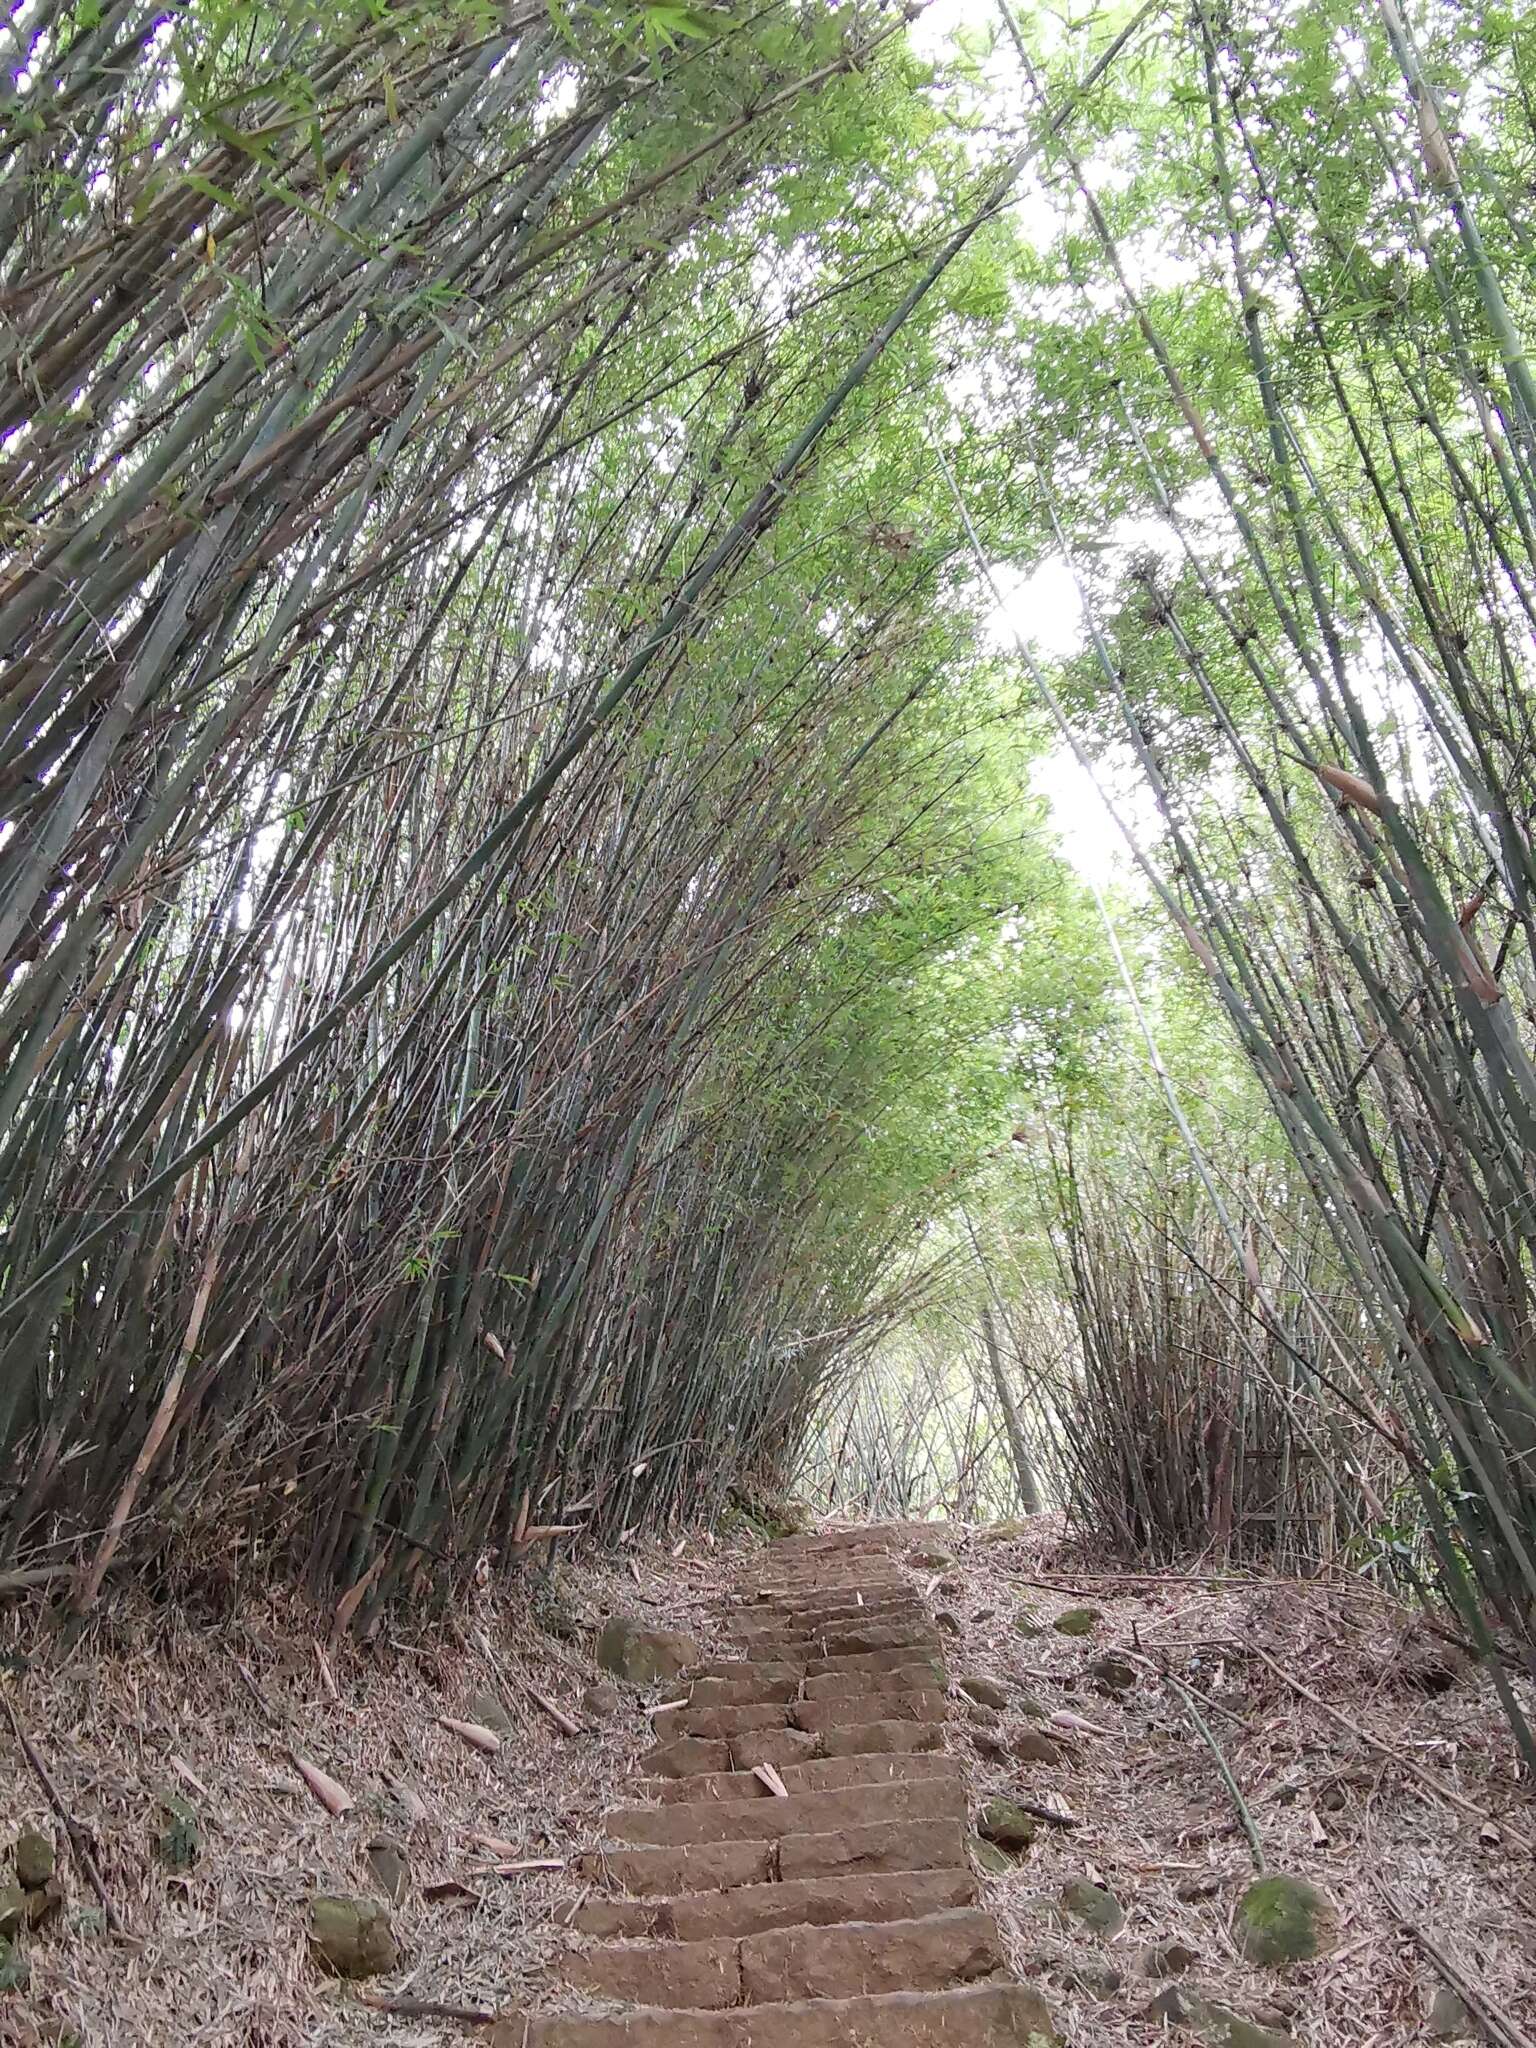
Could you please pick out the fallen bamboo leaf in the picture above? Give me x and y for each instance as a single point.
(525, 1867)
(493, 1845)
(542, 1531)
(486, 1740)
(334, 1797)
(1063, 1719)
(447, 1888)
(188, 1776)
(768, 1776)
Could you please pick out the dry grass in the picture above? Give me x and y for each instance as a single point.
(148, 1700)
(1157, 1826)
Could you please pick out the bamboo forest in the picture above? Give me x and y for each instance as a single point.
(768, 781)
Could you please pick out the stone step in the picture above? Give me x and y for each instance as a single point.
(755, 1820)
(985, 2016)
(820, 1715)
(713, 1723)
(881, 1738)
(750, 1908)
(803, 1667)
(859, 1959)
(776, 1746)
(921, 1675)
(718, 1866)
(780, 1689)
(876, 1845)
(853, 1639)
(816, 1603)
(848, 1960)
(745, 1690)
(686, 1754)
(908, 1703)
(703, 1867)
(825, 1774)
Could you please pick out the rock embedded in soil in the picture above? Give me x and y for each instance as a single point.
(931, 1560)
(36, 1859)
(1111, 1674)
(391, 1868)
(1216, 2025)
(990, 1860)
(43, 1901)
(1448, 2018)
(1077, 1621)
(644, 1656)
(601, 1701)
(1167, 1959)
(1283, 1919)
(1094, 1979)
(986, 1692)
(950, 1623)
(1007, 1825)
(1092, 1904)
(487, 1711)
(1033, 1746)
(1026, 1626)
(13, 1910)
(353, 1937)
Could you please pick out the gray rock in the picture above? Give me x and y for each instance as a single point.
(1284, 1919)
(1167, 1959)
(391, 1868)
(1092, 1904)
(1034, 1746)
(986, 1692)
(1094, 1979)
(489, 1712)
(989, 1859)
(1216, 2025)
(1448, 2018)
(1007, 1824)
(602, 1700)
(1111, 1674)
(36, 1859)
(644, 1656)
(352, 1937)
(950, 1623)
(931, 1560)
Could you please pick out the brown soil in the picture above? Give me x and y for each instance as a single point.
(1422, 1796)
(147, 1701)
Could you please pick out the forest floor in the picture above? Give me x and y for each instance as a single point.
(1370, 1756)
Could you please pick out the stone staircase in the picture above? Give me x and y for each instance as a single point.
(801, 1876)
